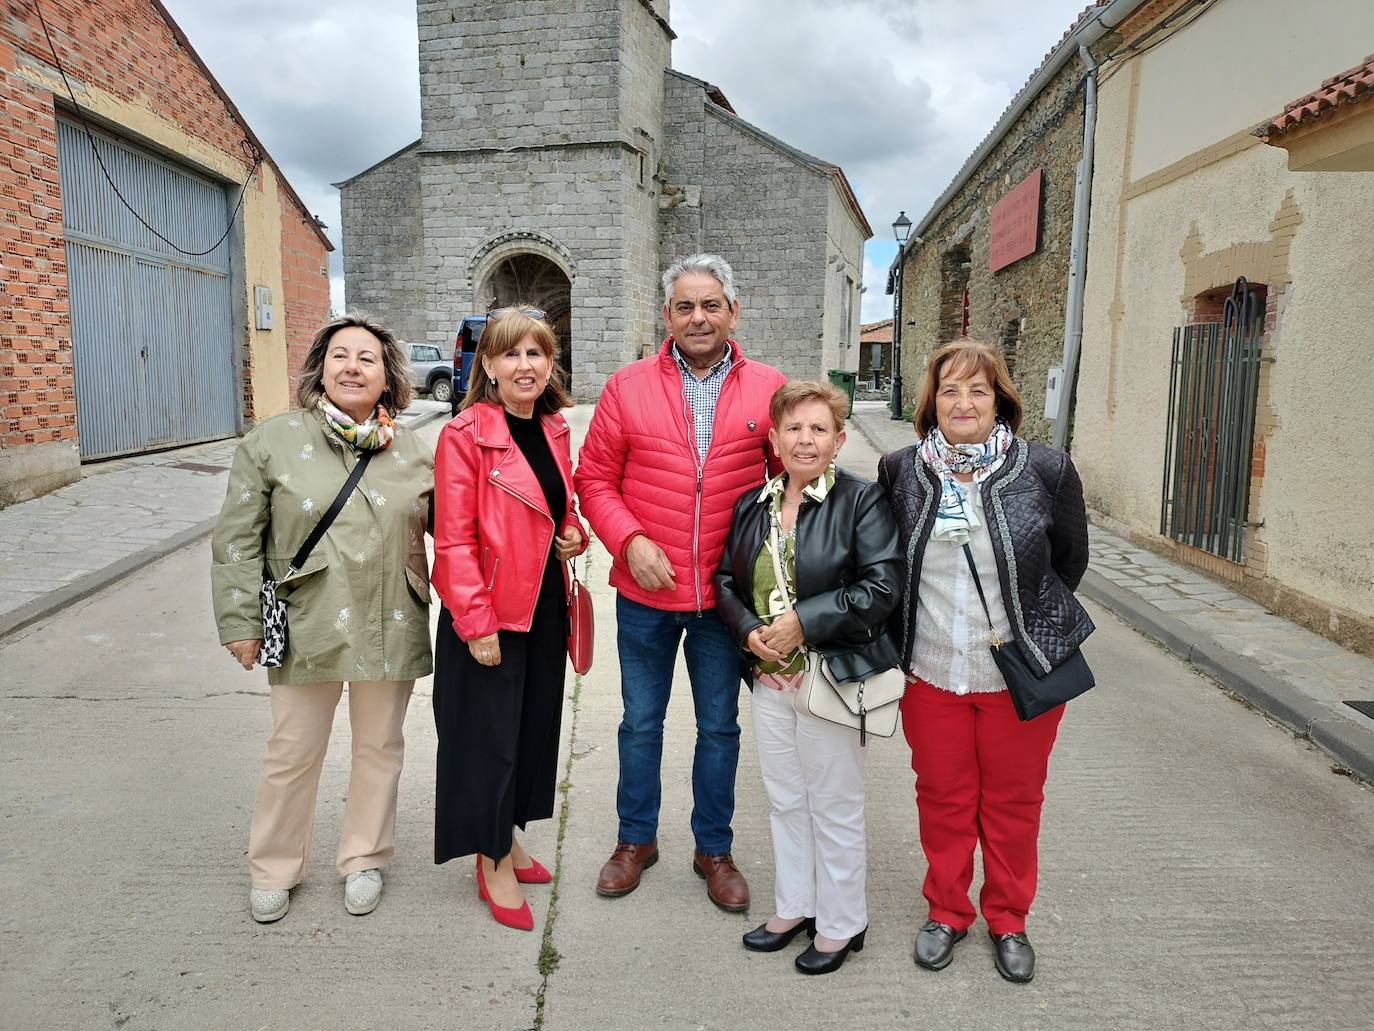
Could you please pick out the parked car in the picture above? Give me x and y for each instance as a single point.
(430, 371)
(464, 346)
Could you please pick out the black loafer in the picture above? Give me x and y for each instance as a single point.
(761, 939)
(935, 944)
(813, 962)
(1015, 958)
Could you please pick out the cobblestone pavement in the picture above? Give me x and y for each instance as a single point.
(119, 514)
(1177, 602)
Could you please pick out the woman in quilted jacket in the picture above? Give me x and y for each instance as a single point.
(503, 526)
(971, 495)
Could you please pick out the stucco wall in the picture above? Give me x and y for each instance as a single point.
(1247, 58)
(1164, 229)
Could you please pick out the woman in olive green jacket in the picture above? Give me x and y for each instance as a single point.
(357, 609)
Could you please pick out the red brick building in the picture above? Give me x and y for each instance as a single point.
(174, 315)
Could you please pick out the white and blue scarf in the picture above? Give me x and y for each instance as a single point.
(956, 516)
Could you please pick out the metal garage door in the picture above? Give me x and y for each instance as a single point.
(152, 339)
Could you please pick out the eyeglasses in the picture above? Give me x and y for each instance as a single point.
(531, 313)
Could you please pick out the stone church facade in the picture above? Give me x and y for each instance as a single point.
(563, 162)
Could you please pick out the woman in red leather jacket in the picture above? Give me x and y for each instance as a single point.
(504, 525)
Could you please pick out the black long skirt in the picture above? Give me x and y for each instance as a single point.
(498, 729)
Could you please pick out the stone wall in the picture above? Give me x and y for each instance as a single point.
(682, 167)
(1021, 306)
(383, 246)
(507, 73)
(844, 277)
(574, 196)
(767, 214)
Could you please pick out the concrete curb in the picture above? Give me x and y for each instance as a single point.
(416, 421)
(1342, 739)
(31, 612)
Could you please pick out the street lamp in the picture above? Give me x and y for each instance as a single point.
(901, 229)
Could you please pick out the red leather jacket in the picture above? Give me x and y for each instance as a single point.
(639, 470)
(492, 526)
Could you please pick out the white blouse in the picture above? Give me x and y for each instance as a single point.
(952, 638)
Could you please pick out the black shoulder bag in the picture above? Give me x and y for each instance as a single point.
(1031, 693)
(273, 649)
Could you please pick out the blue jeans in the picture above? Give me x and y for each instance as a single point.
(647, 639)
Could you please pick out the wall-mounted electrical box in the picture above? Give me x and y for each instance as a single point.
(1054, 389)
(262, 307)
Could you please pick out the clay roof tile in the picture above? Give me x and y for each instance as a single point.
(1350, 86)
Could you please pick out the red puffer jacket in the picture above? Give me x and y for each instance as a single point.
(492, 526)
(639, 471)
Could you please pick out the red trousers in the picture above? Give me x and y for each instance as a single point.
(980, 777)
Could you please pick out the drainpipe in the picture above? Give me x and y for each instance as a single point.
(1078, 254)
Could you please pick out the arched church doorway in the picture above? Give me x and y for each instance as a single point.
(534, 279)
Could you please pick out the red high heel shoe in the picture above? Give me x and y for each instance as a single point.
(521, 919)
(535, 873)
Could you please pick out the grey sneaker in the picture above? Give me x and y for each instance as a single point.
(362, 891)
(268, 904)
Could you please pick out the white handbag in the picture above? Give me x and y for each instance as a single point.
(870, 706)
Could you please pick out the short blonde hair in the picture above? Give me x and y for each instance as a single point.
(790, 395)
(965, 357)
(397, 393)
(505, 328)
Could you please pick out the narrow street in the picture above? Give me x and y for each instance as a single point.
(1200, 868)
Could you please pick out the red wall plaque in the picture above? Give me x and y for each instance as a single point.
(1014, 228)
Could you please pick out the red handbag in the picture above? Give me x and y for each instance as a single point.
(581, 624)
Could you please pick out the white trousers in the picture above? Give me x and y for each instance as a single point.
(813, 772)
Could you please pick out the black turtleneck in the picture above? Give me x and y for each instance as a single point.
(528, 435)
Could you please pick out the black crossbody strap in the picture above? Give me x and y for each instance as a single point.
(334, 509)
(979, 584)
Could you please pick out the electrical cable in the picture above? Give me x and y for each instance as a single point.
(249, 149)
(1134, 49)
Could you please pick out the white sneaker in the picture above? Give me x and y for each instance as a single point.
(268, 904)
(362, 891)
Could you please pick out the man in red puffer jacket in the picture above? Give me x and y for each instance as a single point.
(675, 439)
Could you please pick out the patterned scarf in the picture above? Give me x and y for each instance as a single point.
(956, 515)
(372, 434)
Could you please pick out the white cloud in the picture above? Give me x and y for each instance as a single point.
(898, 92)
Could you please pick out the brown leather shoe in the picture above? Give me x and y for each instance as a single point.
(620, 875)
(725, 885)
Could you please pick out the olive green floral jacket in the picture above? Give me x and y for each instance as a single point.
(359, 609)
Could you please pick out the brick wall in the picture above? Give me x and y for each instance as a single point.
(123, 57)
(37, 400)
(305, 283)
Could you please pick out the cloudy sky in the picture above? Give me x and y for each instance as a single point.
(898, 92)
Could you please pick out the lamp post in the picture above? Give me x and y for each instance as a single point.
(901, 229)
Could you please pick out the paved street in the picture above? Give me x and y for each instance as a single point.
(1201, 868)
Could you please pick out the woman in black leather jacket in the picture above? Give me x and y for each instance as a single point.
(980, 772)
(838, 553)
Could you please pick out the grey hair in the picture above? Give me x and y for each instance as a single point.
(397, 394)
(712, 265)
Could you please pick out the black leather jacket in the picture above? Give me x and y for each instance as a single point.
(849, 575)
(1039, 531)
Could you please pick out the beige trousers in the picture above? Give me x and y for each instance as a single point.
(284, 816)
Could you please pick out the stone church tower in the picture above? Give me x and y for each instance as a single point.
(562, 162)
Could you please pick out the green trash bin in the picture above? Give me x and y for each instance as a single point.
(846, 381)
